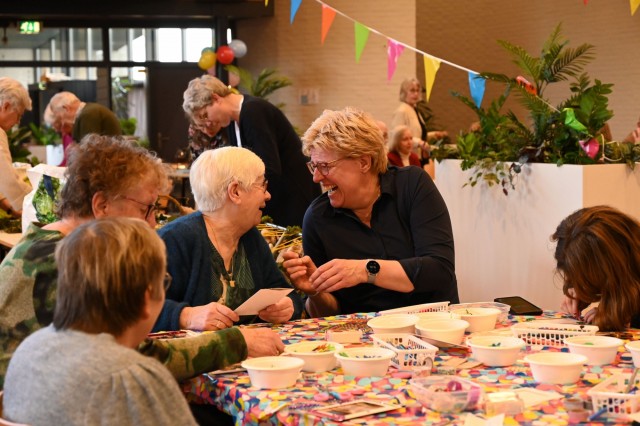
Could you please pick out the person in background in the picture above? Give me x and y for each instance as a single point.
(83, 369)
(64, 130)
(106, 177)
(399, 152)
(83, 117)
(260, 126)
(407, 114)
(598, 257)
(203, 139)
(14, 100)
(378, 238)
(634, 136)
(217, 257)
(384, 129)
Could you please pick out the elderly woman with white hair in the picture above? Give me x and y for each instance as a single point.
(14, 100)
(216, 256)
(378, 238)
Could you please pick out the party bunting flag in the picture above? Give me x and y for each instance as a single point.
(362, 34)
(266, 3)
(394, 50)
(295, 5)
(476, 87)
(431, 66)
(328, 14)
(634, 6)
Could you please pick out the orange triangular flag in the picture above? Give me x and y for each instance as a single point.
(431, 66)
(634, 5)
(328, 14)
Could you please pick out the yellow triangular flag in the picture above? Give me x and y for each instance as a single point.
(266, 3)
(634, 5)
(431, 66)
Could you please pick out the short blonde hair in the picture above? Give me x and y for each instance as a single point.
(214, 170)
(199, 94)
(406, 85)
(61, 100)
(396, 137)
(15, 94)
(105, 267)
(350, 133)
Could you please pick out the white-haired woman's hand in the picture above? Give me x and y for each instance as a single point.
(213, 316)
(279, 312)
(299, 270)
(262, 342)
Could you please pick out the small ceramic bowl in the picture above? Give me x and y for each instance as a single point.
(393, 324)
(634, 348)
(273, 372)
(318, 356)
(479, 319)
(446, 330)
(366, 361)
(559, 368)
(496, 351)
(599, 350)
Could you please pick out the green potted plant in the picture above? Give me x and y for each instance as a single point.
(267, 82)
(572, 132)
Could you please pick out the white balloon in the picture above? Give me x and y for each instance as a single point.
(239, 48)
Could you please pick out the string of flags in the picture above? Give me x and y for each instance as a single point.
(395, 48)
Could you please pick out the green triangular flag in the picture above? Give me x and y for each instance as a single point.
(571, 121)
(362, 34)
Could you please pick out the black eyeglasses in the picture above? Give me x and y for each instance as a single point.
(167, 281)
(150, 207)
(322, 166)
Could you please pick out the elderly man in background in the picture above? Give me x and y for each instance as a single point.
(14, 100)
(82, 117)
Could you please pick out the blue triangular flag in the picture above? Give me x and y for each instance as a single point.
(295, 5)
(476, 87)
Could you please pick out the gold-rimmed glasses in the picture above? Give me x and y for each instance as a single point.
(150, 207)
(323, 167)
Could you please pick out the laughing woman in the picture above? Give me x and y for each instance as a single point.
(378, 238)
(216, 256)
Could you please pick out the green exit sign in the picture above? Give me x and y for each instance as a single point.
(29, 27)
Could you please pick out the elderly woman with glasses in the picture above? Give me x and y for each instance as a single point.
(106, 177)
(216, 256)
(378, 238)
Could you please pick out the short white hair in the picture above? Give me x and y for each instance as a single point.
(15, 94)
(214, 170)
(61, 100)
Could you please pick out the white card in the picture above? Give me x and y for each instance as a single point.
(262, 299)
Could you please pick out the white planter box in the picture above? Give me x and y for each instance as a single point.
(502, 243)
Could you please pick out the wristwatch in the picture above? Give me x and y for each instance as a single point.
(373, 268)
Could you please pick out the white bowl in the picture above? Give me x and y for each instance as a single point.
(599, 350)
(446, 330)
(437, 315)
(318, 356)
(273, 372)
(393, 324)
(479, 319)
(634, 348)
(556, 367)
(366, 361)
(496, 351)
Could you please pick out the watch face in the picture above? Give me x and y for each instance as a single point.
(373, 267)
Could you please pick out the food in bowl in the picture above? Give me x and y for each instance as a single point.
(559, 368)
(479, 319)
(318, 356)
(599, 350)
(393, 324)
(273, 372)
(447, 394)
(366, 361)
(445, 330)
(634, 349)
(496, 351)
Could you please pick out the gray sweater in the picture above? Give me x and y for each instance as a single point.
(74, 378)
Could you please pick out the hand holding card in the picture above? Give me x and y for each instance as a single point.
(262, 299)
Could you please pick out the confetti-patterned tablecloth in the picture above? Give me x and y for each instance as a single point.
(234, 394)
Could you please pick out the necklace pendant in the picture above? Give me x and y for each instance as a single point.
(232, 283)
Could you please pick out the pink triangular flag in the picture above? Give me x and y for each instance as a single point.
(431, 66)
(394, 50)
(328, 14)
(362, 34)
(634, 5)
